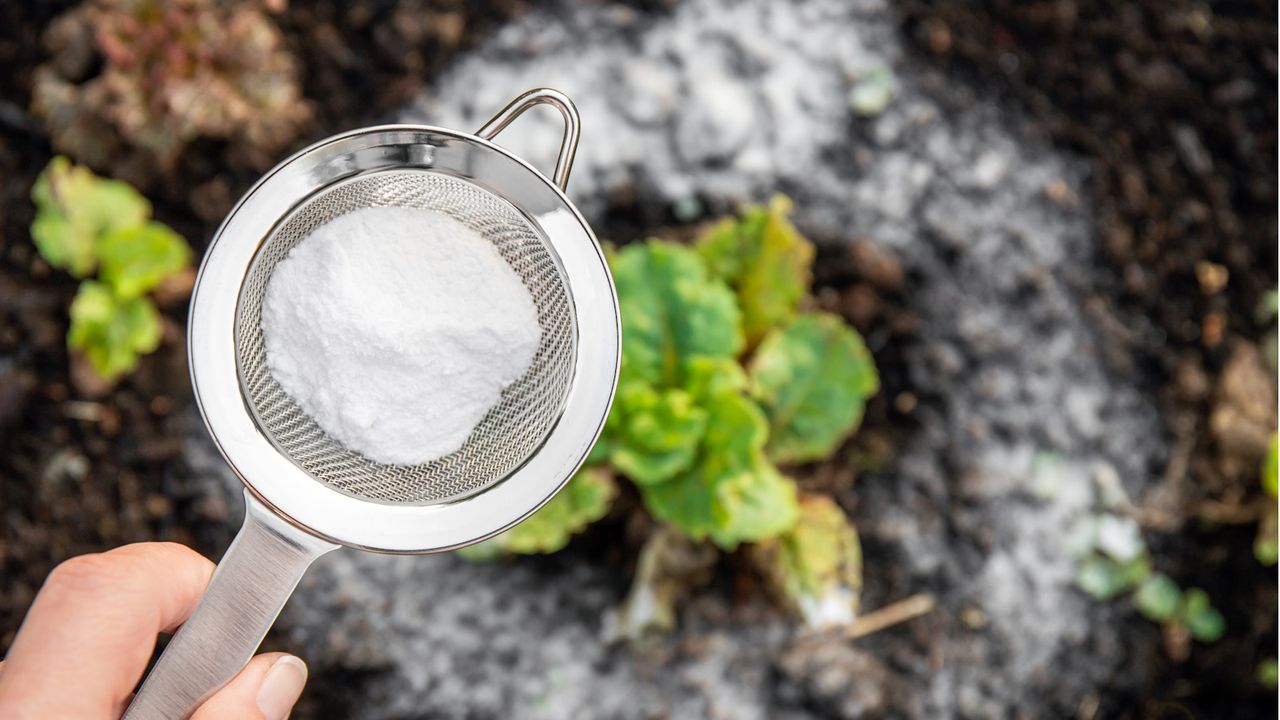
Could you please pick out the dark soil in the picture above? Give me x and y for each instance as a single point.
(82, 474)
(1175, 104)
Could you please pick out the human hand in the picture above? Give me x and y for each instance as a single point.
(90, 632)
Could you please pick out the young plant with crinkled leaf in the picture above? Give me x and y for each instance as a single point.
(812, 376)
(85, 223)
(766, 261)
(585, 499)
(815, 568)
(672, 310)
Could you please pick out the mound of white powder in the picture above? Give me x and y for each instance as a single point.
(396, 330)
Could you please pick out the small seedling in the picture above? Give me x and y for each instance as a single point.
(86, 224)
(1114, 561)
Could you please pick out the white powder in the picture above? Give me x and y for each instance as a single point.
(397, 329)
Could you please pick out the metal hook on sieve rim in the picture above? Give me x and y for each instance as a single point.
(572, 126)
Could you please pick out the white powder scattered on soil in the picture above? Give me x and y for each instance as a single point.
(397, 329)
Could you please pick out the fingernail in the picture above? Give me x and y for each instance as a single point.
(281, 687)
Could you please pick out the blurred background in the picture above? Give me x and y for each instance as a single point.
(1051, 223)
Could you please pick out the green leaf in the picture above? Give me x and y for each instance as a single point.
(1204, 622)
(702, 498)
(135, 259)
(112, 331)
(758, 504)
(1158, 598)
(1104, 578)
(688, 502)
(654, 434)
(707, 377)
(816, 566)
(765, 260)
(672, 310)
(585, 499)
(74, 208)
(813, 377)
(732, 493)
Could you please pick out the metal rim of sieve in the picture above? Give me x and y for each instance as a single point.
(309, 503)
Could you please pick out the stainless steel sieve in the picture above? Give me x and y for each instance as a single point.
(305, 493)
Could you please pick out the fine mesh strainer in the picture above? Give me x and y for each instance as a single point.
(305, 493)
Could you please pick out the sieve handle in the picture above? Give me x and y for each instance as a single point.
(572, 126)
(253, 581)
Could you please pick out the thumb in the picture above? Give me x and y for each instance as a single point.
(265, 689)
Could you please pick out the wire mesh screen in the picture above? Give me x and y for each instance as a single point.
(506, 436)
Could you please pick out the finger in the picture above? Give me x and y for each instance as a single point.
(266, 689)
(93, 626)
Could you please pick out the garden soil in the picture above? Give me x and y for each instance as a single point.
(982, 229)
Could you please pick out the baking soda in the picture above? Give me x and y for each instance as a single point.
(396, 330)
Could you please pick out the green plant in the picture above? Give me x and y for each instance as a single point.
(134, 81)
(1114, 561)
(585, 499)
(84, 224)
(724, 378)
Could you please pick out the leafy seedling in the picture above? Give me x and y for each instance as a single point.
(85, 223)
(112, 331)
